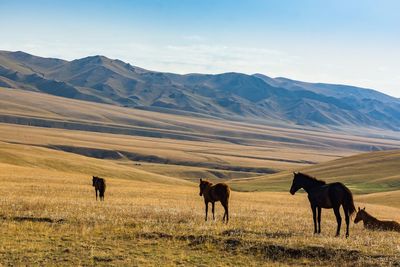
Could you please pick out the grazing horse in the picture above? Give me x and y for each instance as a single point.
(213, 193)
(327, 196)
(372, 223)
(99, 185)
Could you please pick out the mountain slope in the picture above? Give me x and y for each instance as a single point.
(228, 95)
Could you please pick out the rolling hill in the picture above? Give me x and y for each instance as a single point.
(232, 96)
(364, 173)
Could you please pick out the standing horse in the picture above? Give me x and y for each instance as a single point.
(372, 223)
(213, 193)
(99, 185)
(327, 196)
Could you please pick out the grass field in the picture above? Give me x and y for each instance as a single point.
(153, 214)
(49, 216)
(363, 173)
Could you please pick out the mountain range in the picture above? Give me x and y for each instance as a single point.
(228, 95)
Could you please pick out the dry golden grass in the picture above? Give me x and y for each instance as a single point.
(391, 198)
(213, 140)
(182, 150)
(49, 216)
(153, 215)
(363, 173)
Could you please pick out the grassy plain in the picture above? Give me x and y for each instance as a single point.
(153, 214)
(49, 217)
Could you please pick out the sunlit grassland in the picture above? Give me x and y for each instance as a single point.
(362, 173)
(49, 216)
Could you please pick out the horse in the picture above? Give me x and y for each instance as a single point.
(213, 193)
(372, 223)
(327, 196)
(99, 185)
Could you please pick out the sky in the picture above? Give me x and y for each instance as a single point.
(355, 42)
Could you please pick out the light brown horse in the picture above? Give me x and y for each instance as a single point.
(99, 185)
(372, 223)
(213, 193)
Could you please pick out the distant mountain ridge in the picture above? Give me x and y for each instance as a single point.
(227, 95)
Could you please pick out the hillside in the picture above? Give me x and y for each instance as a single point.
(390, 198)
(229, 95)
(363, 173)
(49, 216)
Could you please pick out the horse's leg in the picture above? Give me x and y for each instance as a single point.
(319, 219)
(338, 219)
(206, 209)
(95, 190)
(213, 209)
(314, 214)
(226, 213)
(223, 218)
(347, 218)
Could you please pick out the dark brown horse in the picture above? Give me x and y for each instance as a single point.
(99, 185)
(372, 223)
(327, 196)
(213, 193)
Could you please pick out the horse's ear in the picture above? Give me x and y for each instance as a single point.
(358, 208)
(201, 180)
(364, 208)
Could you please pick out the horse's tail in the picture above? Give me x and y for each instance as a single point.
(348, 201)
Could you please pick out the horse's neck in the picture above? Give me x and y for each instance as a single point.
(208, 190)
(310, 185)
(369, 219)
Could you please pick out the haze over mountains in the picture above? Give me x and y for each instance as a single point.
(227, 95)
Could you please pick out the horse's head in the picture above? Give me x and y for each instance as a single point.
(296, 184)
(203, 185)
(360, 215)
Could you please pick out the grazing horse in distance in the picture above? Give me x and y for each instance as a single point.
(213, 193)
(372, 223)
(327, 196)
(99, 185)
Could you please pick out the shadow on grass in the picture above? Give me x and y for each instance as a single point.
(32, 219)
(231, 241)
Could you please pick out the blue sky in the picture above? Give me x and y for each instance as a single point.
(351, 42)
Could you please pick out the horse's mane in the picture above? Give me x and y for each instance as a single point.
(309, 177)
(206, 182)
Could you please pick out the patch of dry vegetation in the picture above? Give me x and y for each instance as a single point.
(49, 216)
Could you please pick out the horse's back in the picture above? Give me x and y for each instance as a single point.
(340, 193)
(392, 226)
(320, 197)
(221, 192)
(101, 184)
